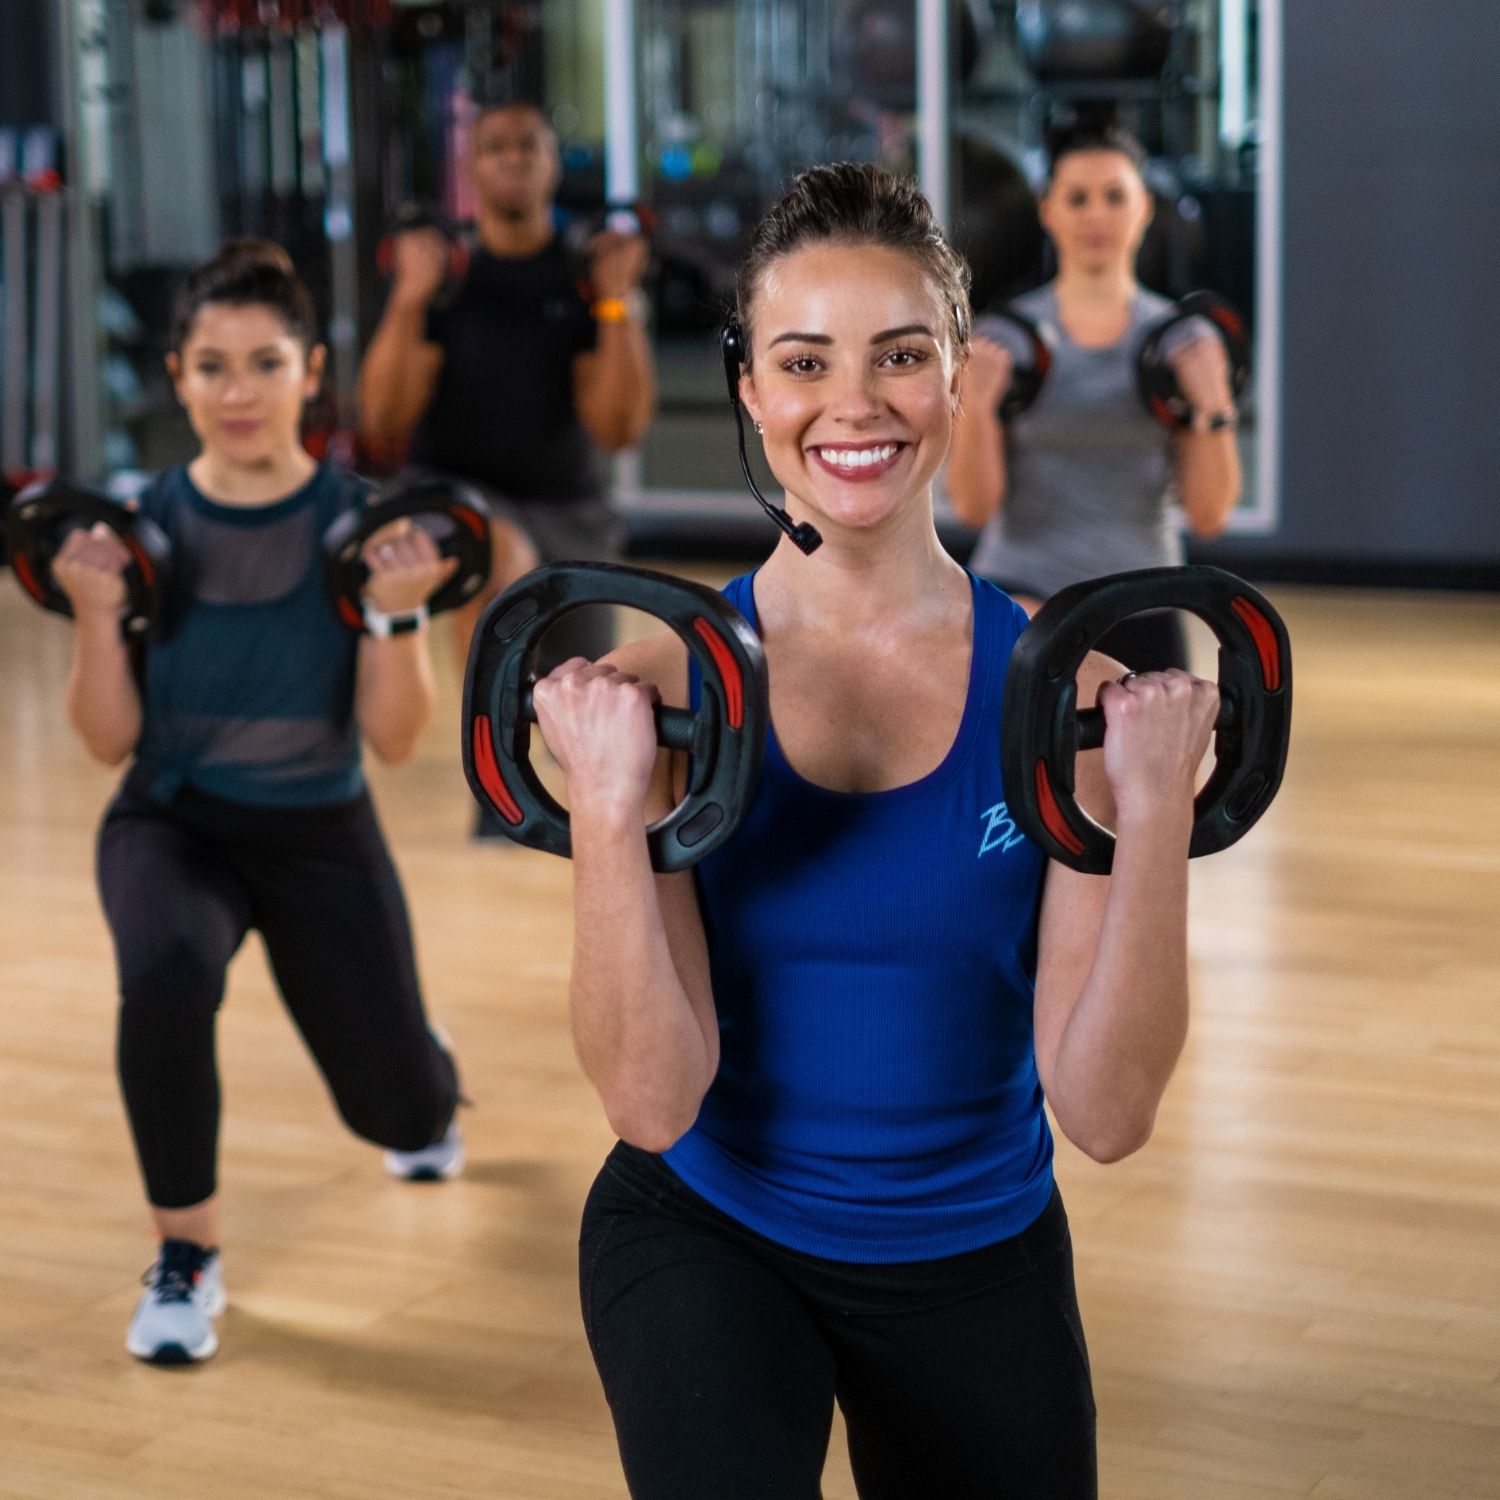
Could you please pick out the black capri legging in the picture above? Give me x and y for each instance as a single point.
(722, 1355)
(181, 884)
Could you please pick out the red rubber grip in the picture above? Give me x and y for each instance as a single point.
(729, 671)
(28, 579)
(1052, 817)
(489, 773)
(1265, 641)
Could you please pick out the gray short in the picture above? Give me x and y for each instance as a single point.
(588, 530)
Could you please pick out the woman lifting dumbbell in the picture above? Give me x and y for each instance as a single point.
(245, 806)
(826, 1051)
(1083, 483)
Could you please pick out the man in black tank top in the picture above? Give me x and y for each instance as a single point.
(514, 378)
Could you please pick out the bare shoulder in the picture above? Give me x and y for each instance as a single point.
(659, 659)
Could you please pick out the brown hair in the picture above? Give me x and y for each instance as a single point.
(1092, 135)
(246, 273)
(856, 203)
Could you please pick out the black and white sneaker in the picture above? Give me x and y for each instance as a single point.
(173, 1322)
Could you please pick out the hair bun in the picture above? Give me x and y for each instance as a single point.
(250, 254)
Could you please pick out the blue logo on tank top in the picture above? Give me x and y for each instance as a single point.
(1000, 831)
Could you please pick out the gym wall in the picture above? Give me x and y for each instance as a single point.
(1390, 379)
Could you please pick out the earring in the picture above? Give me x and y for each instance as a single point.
(759, 429)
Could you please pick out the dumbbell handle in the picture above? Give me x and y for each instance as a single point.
(1091, 723)
(675, 727)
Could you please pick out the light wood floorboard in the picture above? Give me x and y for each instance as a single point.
(1291, 1292)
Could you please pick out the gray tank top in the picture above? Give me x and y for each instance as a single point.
(1090, 475)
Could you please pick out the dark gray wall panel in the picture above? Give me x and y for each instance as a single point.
(1391, 282)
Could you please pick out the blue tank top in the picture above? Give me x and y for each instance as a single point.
(249, 695)
(874, 961)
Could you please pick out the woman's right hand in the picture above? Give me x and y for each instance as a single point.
(420, 262)
(987, 375)
(90, 570)
(598, 723)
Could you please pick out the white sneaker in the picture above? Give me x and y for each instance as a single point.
(436, 1163)
(173, 1322)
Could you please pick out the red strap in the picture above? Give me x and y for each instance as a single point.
(729, 671)
(1265, 640)
(1052, 818)
(350, 615)
(28, 578)
(472, 519)
(142, 561)
(489, 773)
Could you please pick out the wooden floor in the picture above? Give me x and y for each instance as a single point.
(1291, 1292)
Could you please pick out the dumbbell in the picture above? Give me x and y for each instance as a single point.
(455, 516)
(1198, 314)
(1044, 729)
(39, 520)
(725, 738)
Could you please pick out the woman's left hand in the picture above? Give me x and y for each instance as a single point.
(406, 568)
(1157, 726)
(1202, 370)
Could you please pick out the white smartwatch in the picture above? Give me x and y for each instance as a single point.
(383, 626)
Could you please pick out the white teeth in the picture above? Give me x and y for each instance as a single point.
(857, 458)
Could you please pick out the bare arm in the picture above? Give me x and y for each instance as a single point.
(641, 1004)
(1208, 462)
(401, 368)
(104, 704)
(394, 691)
(614, 387)
(1209, 480)
(1112, 992)
(976, 457)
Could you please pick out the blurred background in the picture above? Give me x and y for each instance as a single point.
(1327, 167)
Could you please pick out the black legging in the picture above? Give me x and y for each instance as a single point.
(181, 885)
(722, 1355)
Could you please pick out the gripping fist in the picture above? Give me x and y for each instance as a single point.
(1202, 370)
(987, 375)
(1157, 726)
(406, 568)
(598, 723)
(90, 570)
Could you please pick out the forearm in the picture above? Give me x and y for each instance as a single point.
(395, 384)
(394, 693)
(617, 403)
(638, 1036)
(104, 704)
(976, 467)
(1209, 479)
(1123, 1038)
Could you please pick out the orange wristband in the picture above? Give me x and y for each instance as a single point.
(610, 310)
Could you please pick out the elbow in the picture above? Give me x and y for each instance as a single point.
(391, 750)
(1206, 527)
(1109, 1141)
(110, 752)
(615, 437)
(655, 1131)
(106, 748)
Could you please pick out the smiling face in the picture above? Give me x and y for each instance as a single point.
(854, 377)
(1096, 209)
(244, 379)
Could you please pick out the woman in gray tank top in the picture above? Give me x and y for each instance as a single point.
(1083, 482)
